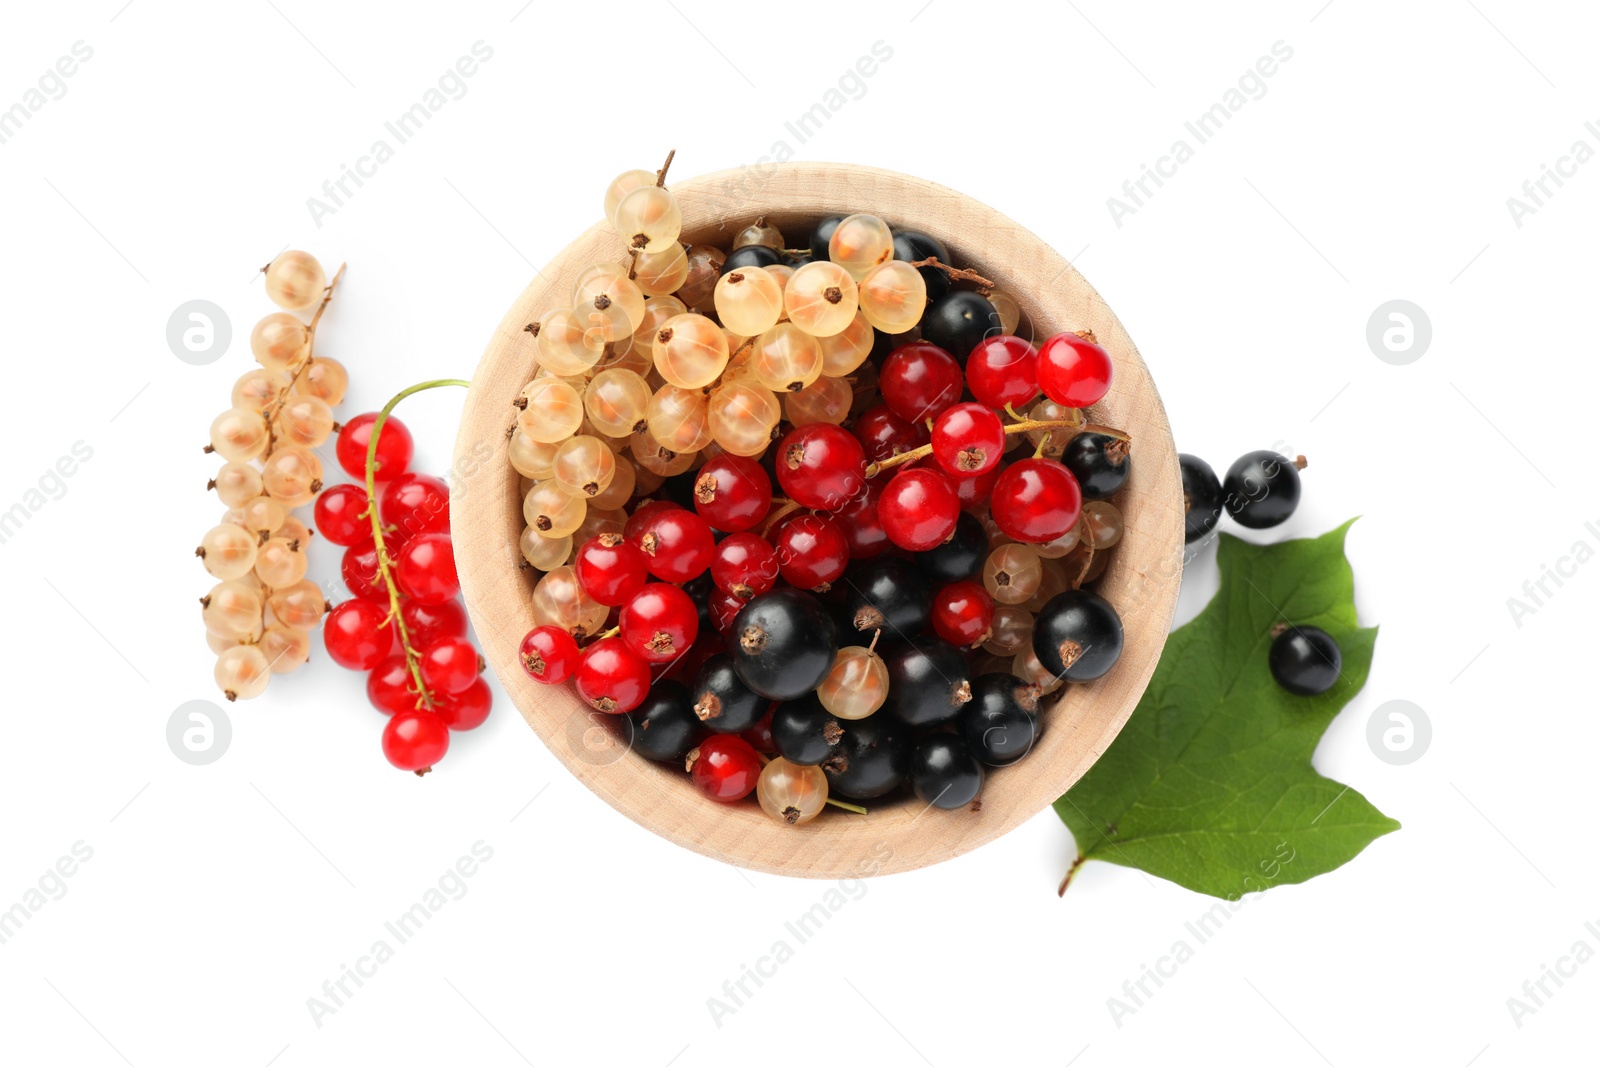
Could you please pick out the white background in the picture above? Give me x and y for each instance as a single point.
(1376, 166)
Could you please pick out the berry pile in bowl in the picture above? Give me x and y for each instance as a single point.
(825, 506)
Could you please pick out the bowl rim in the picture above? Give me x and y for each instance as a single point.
(1078, 725)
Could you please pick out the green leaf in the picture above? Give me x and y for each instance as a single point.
(1210, 783)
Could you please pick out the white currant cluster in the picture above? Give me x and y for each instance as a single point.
(260, 614)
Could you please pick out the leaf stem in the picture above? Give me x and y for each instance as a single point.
(385, 566)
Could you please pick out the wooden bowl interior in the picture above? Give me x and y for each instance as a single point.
(1141, 579)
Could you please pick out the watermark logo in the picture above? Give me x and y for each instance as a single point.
(199, 732)
(1399, 732)
(199, 332)
(599, 739)
(1399, 332)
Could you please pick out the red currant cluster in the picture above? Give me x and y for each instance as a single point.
(892, 617)
(405, 624)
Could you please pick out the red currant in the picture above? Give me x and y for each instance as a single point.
(919, 509)
(1003, 370)
(426, 623)
(724, 606)
(549, 654)
(725, 767)
(678, 543)
(970, 490)
(863, 530)
(467, 709)
(963, 612)
(611, 678)
(920, 380)
(1074, 370)
(359, 568)
(759, 736)
(415, 504)
(611, 569)
(394, 448)
(882, 433)
(415, 740)
(812, 552)
(357, 634)
(340, 514)
(1036, 500)
(744, 565)
(659, 623)
(426, 569)
(389, 686)
(821, 465)
(449, 665)
(644, 514)
(732, 493)
(968, 439)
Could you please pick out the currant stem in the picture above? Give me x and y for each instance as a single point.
(875, 469)
(857, 808)
(271, 410)
(956, 274)
(385, 570)
(661, 175)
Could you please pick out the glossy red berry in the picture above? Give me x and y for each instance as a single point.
(340, 514)
(745, 565)
(415, 504)
(678, 544)
(821, 465)
(971, 490)
(1074, 370)
(426, 569)
(467, 709)
(732, 493)
(968, 439)
(759, 736)
(415, 740)
(359, 568)
(357, 634)
(862, 528)
(449, 665)
(812, 551)
(611, 569)
(724, 606)
(549, 654)
(659, 623)
(394, 448)
(919, 509)
(920, 380)
(882, 433)
(390, 687)
(725, 767)
(1003, 370)
(611, 678)
(1036, 500)
(962, 613)
(426, 623)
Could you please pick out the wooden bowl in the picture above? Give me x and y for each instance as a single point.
(1141, 580)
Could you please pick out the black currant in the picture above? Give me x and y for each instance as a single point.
(961, 556)
(882, 345)
(886, 594)
(664, 727)
(872, 758)
(723, 702)
(1202, 497)
(820, 235)
(699, 590)
(1261, 489)
(928, 681)
(1305, 660)
(945, 773)
(751, 256)
(1077, 635)
(804, 732)
(914, 245)
(958, 321)
(782, 643)
(798, 259)
(1100, 463)
(1000, 722)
